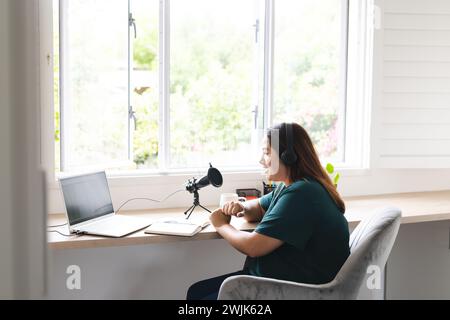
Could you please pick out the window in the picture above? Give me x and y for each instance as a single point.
(165, 86)
(309, 70)
(144, 84)
(94, 83)
(212, 57)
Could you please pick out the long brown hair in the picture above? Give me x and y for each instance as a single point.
(308, 163)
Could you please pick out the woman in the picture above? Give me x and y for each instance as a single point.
(302, 234)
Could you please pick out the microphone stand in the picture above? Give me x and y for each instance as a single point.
(196, 203)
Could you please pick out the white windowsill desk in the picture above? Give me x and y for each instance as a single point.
(416, 207)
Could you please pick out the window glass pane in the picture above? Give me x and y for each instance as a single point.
(212, 78)
(144, 82)
(95, 83)
(307, 70)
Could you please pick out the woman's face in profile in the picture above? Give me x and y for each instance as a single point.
(274, 170)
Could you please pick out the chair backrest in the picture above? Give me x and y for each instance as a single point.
(370, 245)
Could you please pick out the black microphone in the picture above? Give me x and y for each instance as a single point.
(213, 177)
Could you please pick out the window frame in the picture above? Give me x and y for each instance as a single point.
(164, 87)
(356, 125)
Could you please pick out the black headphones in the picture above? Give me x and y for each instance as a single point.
(289, 157)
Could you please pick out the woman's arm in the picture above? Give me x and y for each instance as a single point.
(251, 210)
(249, 243)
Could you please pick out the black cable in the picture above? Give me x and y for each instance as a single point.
(148, 199)
(63, 224)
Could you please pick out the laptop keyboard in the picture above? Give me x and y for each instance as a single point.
(115, 225)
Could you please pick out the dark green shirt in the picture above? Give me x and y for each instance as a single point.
(315, 234)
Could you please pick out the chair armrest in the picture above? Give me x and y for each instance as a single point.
(259, 288)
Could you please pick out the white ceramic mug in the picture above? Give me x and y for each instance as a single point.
(227, 197)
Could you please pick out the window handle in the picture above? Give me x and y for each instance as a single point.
(132, 22)
(132, 115)
(256, 26)
(255, 115)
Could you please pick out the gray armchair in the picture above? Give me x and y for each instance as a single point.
(370, 244)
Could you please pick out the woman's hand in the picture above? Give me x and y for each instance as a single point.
(233, 208)
(218, 218)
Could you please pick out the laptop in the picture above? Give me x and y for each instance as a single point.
(89, 208)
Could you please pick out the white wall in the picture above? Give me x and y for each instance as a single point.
(419, 266)
(412, 68)
(162, 271)
(6, 266)
(22, 228)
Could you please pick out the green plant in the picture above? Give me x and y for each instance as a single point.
(330, 169)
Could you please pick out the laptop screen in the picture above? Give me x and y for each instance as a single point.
(86, 197)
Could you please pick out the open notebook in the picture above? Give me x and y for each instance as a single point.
(178, 226)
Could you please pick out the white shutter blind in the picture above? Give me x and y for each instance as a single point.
(413, 112)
